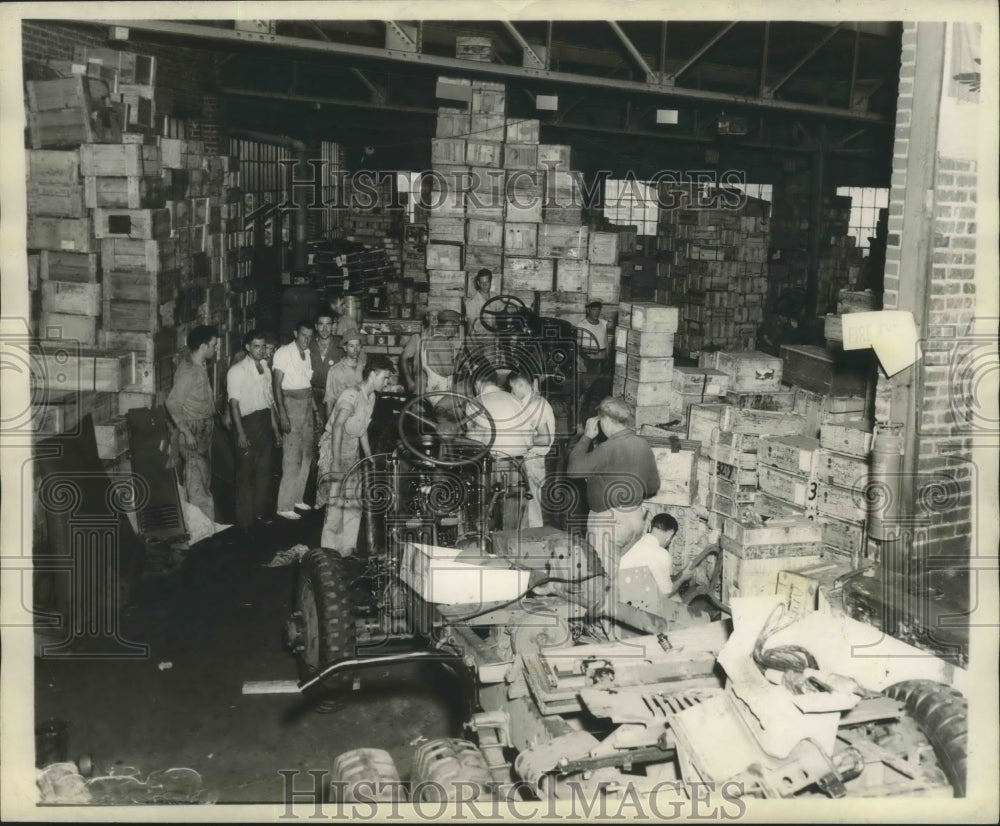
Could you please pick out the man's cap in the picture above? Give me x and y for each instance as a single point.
(449, 317)
(595, 304)
(350, 335)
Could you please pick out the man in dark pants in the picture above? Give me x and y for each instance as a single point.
(255, 426)
(621, 473)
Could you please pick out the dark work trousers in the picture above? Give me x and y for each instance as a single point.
(253, 468)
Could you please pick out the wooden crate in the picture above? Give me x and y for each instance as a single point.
(759, 577)
(138, 255)
(485, 234)
(523, 207)
(71, 297)
(851, 438)
(654, 318)
(603, 248)
(76, 92)
(751, 371)
(520, 155)
(484, 153)
(448, 151)
(488, 98)
(112, 437)
(446, 229)
(124, 193)
(136, 316)
(561, 304)
(154, 287)
(484, 127)
(78, 267)
(700, 381)
(784, 400)
(485, 198)
(637, 343)
(760, 422)
(795, 454)
(136, 160)
(644, 368)
(452, 123)
(777, 532)
(841, 502)
(553, 156)
(128, 67)
(69, 367)
(643, 394)
(59, 128)
(447, 282)
(134, 224)
(527, 274)
(441, 256)
(522, 239)
(56, 200)
(477, 258)
(678, 471)
(831, 374)
(147, 346)
(522, 130)
(61, 234)
(52, 166)
(841, 469)
(789, 487)
(572, 275)
(558, 241)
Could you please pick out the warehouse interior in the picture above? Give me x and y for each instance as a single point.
(752, 248)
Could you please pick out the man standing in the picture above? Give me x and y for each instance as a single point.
(297, 413)
(323, 354)
(541, 421)
(593, 340)
(429, 361)
(343, 321)
(621, 473)
(251, 407)
(514, 435)
(191, 405)
(344, 374)
(474, 304)
(348, 435)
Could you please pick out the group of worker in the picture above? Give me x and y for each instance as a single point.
(313, 398)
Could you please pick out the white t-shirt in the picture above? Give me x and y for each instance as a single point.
(297, 369)
(599, 331)
(514, 433)
(538, 412)
(646, 552)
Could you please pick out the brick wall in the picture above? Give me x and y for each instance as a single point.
(944, 488)
(180, 70)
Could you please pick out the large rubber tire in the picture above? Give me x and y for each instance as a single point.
(941, 712)
(323, 596)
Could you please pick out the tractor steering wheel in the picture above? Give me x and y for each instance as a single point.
(416, 408)
(509, 307)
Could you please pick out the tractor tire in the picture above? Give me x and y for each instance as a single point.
(941, 712)
(363, 775)
(323, 597)
(439, 765)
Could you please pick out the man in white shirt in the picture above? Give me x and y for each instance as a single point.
(255, 425)
(514, 435)
(474, 304)
(593, 340)
(652, 551)
(540, 418)
(297, 414)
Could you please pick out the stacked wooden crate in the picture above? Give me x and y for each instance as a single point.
(786, 475)
(842, 473)
(753, 554)
(644, 362)
(60, 228)
(754, 379)
(694, 385)
(514, 206)
(714, 268)
(144, 102)
(65, 112)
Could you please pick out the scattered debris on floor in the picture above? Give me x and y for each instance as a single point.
(62, 783)
(289, 556)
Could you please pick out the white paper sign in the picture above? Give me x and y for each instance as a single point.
(891, 333)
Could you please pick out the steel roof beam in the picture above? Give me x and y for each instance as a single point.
(651, 76)
(526, 47)
(702, 51)
(472, 67)
(809, 56)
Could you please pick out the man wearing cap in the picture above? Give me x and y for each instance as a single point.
(593, 340)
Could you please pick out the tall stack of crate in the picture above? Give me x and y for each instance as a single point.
(754, 379)
(843, 465)
(644, 362)
(786, 475)
(714, 269)
(520, 215)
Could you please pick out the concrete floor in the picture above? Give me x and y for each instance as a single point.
(219, 621)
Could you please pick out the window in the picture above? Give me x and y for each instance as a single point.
(865, 205)
(631, 203)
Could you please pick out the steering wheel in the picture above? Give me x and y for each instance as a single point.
(416, 409)
(508, 307)
(586, 340)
